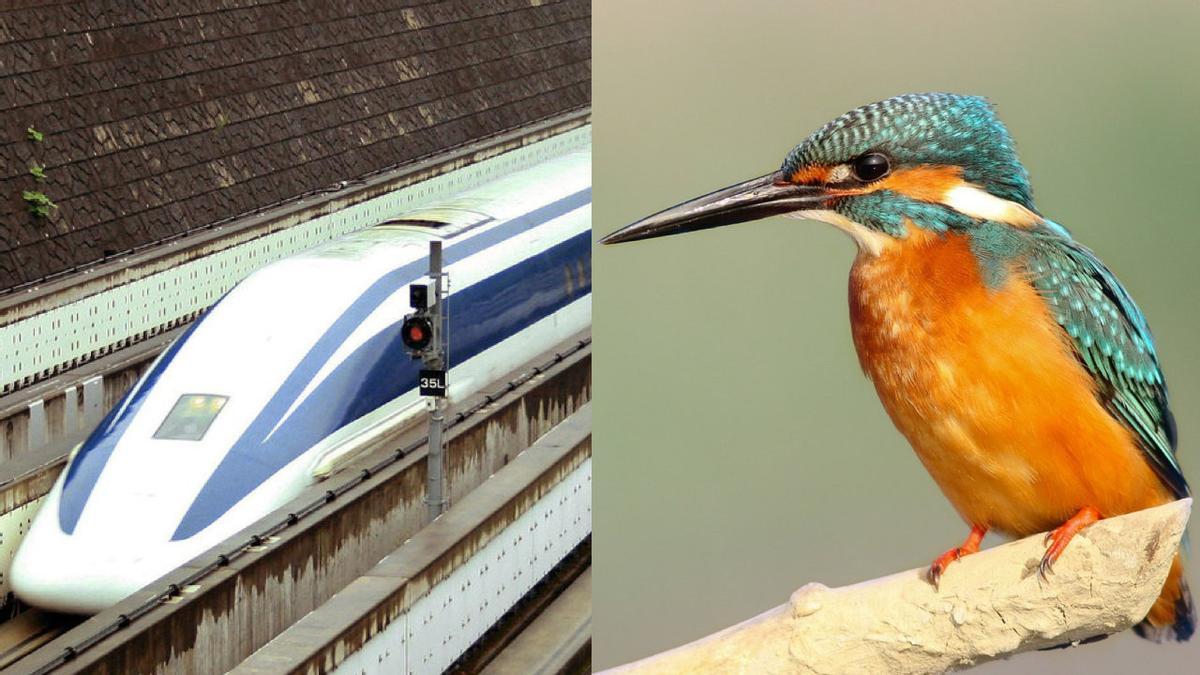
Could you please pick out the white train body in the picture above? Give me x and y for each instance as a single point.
(252, 404)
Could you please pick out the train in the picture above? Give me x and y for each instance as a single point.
(258, 399)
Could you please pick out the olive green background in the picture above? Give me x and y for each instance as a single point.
(739, 451)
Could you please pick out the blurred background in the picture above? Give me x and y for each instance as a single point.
(740, 451)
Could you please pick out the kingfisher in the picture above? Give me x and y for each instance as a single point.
(1007, 354)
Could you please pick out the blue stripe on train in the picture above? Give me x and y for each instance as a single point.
(85, 469)
(380, 370)
(256, 453)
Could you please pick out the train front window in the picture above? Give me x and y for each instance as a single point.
(191, 417)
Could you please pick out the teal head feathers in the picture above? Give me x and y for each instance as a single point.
(921, 130)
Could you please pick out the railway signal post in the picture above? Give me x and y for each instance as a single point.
(425, 335)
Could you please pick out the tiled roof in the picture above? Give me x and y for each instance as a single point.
(171, 115)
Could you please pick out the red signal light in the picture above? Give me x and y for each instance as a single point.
(416, 332)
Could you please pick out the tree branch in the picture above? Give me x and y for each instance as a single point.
(989, 606)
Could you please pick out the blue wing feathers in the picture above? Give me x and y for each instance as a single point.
(1113, 342)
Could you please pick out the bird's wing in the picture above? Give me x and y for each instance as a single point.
(1113, 342)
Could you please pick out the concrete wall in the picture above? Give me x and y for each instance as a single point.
(56, 416)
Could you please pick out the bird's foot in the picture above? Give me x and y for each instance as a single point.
(971, 545)
(1060, 537)
(943, 561)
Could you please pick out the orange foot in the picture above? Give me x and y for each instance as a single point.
(1062, 536)
(971, 545)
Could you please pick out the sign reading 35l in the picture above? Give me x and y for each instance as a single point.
(432, 382)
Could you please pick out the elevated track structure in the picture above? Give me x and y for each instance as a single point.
(74, 345)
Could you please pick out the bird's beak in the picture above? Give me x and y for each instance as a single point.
(768, 195)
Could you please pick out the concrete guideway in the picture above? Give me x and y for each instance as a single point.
(557, 640)
(212, 615)
(426, 603)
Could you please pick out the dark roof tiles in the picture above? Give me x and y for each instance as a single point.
(174, 115)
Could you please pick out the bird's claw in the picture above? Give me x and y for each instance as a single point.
(1045, 567)
(941, 563)
(971, 545)
(1057, 540)
(1059, 537)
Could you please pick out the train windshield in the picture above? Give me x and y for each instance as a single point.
(191, 417)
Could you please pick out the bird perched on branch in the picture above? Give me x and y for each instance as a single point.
(1010, 357)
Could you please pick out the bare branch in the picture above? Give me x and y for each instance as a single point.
(990, 605)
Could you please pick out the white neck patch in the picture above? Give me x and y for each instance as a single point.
(978, 203)
(868, 240)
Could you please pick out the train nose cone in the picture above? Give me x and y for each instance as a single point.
(80, 580)
(89, 570)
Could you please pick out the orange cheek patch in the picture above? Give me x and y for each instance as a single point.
(810, 175)
(923, 183)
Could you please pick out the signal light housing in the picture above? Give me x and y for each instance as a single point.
(418, 296)
(416, 332)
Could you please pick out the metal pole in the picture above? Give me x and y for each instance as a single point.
(435, 494)
(435, 486)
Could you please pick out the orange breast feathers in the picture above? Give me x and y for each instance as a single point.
(984, 384)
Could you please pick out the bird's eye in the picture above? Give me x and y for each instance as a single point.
(870, 167)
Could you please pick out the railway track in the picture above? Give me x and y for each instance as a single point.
(29, 630)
